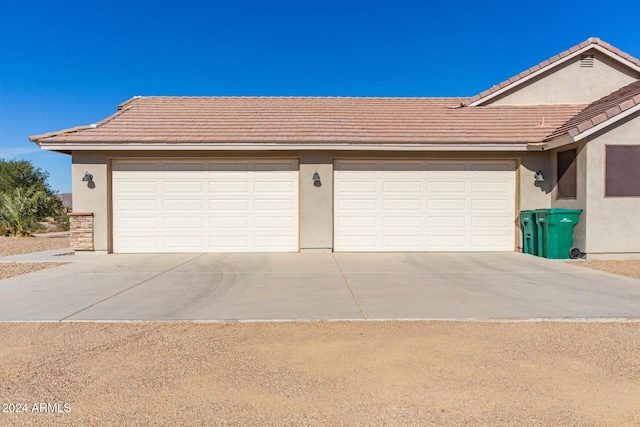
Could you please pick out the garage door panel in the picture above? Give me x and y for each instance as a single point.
(424, 206)
(490, 205)
(182, 167)
(136, 167)
(182, 187)
(182, 205)
(351, 167)
(182, 223)
(447, 187)
(401, 221)
(228, 205)
(492, 166)
(444, 168)
(274, 223)
(402, 204)
(447, 242)
(408, 186)
(358, 242)
(446, 222)
(137, 205)
(223, 187)
(273, 205)
(357, 221)
(358, 187)
(447, 204)
(499, 187)
(283, 241)
(230, 166)
(205, 206)
(138, 223)
(274, 167)
(357, 204)
(492, 221)
(136, 187)
(261, 187)
(148, 242)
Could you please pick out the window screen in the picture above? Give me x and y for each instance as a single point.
(567, 174)
(622, 175)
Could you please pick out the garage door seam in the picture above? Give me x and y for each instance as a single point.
(129, 288)
(364, 315)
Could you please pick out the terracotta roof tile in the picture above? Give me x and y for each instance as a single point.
(548, 62)
(600, 111)
(316, 120)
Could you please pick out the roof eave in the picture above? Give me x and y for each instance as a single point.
(470, 146)
(573, 135)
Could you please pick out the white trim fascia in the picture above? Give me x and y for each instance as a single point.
(552, 66)
(606, 123)
(554, 143)
(280, 147)
(567, 139)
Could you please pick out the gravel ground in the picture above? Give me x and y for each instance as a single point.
(24, 245)
(12, 269)
(322, 373)
(629, 268)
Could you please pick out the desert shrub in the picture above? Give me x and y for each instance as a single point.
(20, 209)
(63, 221)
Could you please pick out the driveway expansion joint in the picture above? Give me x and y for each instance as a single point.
(364, 315)
(130, 287)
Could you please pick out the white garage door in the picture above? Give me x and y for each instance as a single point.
(205, 206)
(424, 206)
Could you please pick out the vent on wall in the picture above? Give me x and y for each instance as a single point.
(586, 61)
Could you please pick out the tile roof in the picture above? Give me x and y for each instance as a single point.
(307, 120)
(593, 41)
(600, 111)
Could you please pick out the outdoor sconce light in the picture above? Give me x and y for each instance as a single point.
(538, 177)
(88, 178)
(316, 179)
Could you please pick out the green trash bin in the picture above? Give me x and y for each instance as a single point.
(529, 232)
(555, 232)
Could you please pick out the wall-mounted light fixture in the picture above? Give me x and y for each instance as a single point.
(538, 176)
(88, 178)
(316, 179)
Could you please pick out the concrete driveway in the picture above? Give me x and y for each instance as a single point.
(317, 286)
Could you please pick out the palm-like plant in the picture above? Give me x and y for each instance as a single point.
(19, 209)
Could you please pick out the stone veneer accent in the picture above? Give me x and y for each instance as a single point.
(81, 231)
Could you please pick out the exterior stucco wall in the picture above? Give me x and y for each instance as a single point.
(612, 223)
(571, 84)
(580, 234)
(316, 202)
(95, 199)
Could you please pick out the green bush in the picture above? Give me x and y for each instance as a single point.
(63, 221)
(21, 208)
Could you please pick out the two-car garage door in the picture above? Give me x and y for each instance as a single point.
(424, 205)
(205, 206)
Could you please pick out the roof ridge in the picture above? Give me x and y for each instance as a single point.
(591, 41)
(296, 97)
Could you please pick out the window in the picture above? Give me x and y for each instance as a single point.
(567, 174)
(622, 174)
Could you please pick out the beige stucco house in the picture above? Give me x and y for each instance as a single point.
(252, 174)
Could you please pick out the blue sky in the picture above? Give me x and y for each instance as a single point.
(70, 63)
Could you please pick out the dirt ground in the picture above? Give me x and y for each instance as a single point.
(321, 373)
(629, 268)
